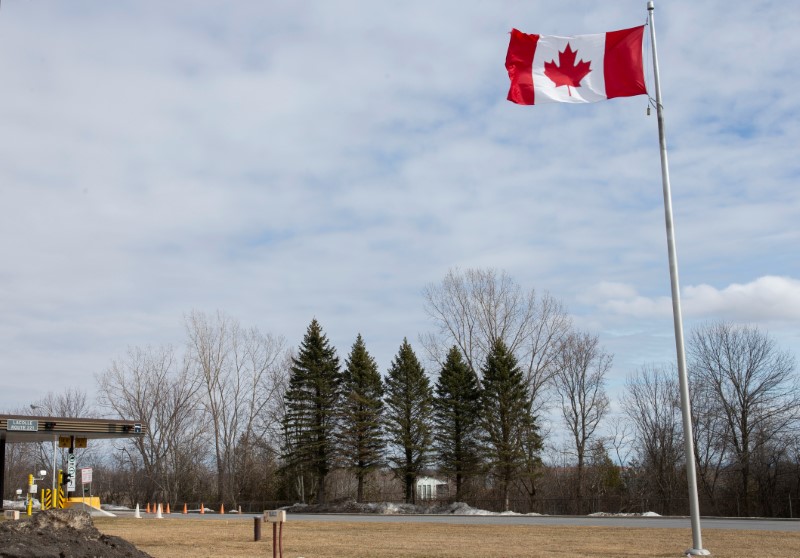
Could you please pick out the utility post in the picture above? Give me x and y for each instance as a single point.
(32, 490)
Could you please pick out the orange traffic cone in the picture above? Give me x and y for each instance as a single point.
(185, 509)
(222, 509)
(147, 509)
(202, 508)
(168, 508)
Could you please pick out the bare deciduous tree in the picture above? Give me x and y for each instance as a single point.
(473, 309)
(580, 383)
(748, 382)
(711, 433)
(69, 403)
(154, 385)
(237, 369)
(651, 402)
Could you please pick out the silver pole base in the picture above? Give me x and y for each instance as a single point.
(697, 552)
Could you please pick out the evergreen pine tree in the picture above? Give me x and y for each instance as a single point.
(312, 399)
(456, 419)
(361, 431)
(509, 427)
(408, 417)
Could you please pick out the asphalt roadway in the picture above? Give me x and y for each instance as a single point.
(735, 523)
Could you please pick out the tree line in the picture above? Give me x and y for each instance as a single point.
(508, 408)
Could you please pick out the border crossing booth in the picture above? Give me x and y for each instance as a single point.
(63, 432)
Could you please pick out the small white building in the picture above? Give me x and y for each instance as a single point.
(429, 488)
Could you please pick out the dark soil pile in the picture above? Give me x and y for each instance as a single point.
(61, 534)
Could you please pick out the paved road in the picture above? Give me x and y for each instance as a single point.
(626, 522)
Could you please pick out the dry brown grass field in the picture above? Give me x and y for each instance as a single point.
(170, 538)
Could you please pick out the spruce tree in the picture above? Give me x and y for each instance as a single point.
(361, 429)
(408, 417)
(456, 419)
(312, 399)
(509, 427)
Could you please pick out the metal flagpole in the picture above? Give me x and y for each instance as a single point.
(694, 506)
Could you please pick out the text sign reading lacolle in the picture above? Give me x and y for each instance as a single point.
(19, 425)
(275, 516)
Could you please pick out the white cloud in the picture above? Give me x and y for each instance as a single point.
(624, 300)
(767, 299)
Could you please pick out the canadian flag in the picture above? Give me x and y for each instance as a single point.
(579, 69)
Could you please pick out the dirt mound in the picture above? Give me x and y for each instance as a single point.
(61, 534)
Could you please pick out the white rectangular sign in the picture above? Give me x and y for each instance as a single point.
(86, 475)
(20, 425)
(275, 516)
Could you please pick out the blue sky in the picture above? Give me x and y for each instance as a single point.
(280, 161)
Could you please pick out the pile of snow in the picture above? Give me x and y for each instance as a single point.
(94, 512)
(20, 504)
(456, 508)
(607, 514)
(112, 507)
(460, 508)
(390, 508)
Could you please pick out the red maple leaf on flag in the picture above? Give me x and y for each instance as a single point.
(567, 72)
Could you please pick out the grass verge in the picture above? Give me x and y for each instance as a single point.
(234, 539)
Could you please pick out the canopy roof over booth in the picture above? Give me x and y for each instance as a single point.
(74, 432)
(26, 428)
